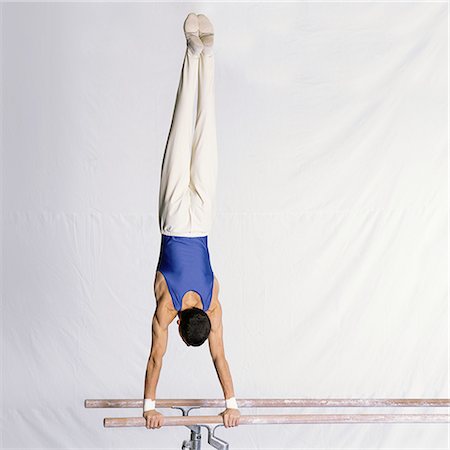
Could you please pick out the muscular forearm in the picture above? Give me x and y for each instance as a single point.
(223, 372)
(151, 377)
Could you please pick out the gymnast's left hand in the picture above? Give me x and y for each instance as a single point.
(153, 419)
(230, 417)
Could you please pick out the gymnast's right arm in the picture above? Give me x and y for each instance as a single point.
(158, 348)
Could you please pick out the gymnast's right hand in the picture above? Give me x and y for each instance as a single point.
(153, 419)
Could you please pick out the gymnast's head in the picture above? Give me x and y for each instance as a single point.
(194, 326)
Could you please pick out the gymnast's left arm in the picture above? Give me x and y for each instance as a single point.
(216, 348)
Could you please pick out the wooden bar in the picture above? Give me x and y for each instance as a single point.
(273, 402)
(284, 419)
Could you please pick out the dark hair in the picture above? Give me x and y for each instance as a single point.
(194, 326)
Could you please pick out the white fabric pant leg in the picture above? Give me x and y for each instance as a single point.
(189, 168)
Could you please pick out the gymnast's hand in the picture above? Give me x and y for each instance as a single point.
(154, 419)
(230, 417)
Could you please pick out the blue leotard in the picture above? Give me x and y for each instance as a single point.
(184, 262)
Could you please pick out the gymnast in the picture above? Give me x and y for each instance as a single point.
(185, 285)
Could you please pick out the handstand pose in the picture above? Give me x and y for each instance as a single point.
(185, 285)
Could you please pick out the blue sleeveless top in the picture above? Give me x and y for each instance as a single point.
(184, 262)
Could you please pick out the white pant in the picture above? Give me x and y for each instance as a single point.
(189, 168)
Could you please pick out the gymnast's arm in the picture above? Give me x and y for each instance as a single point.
(215, 339)
(157, 351)
(160, 325)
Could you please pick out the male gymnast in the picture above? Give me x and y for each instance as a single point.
(185, 285)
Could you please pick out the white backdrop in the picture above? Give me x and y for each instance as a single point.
(330, 240)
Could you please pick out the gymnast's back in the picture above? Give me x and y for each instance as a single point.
(184, 277)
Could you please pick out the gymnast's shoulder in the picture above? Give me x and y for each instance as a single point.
(215, 307)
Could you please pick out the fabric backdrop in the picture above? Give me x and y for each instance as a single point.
(330, 239)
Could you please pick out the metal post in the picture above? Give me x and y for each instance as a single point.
(215, 441)
(195, 441)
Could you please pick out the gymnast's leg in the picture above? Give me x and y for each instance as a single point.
(204, 149)
(174, 194)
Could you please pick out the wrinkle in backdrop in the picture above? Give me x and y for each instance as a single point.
(330, 240)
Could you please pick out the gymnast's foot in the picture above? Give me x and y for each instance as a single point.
(206, 34)
(191, 31)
